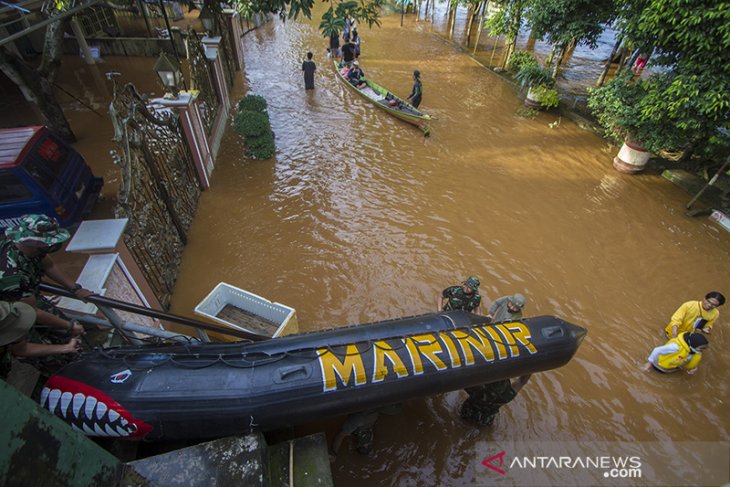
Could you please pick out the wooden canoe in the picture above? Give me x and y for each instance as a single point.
(381, 97)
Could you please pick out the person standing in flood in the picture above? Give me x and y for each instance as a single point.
(507, 308)
(334, 49)
(464, 297)
(356, 41)
(415, 97)
(695, 315)
(484, 401)
(309, 68)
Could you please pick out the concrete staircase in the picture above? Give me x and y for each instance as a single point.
(237, 461)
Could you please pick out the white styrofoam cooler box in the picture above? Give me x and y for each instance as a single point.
(721, 218)
(224, 294)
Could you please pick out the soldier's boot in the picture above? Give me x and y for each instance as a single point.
(364, 437)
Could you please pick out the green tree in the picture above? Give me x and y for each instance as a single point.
(688, 102)
(36, 83)
(332, 21)
(507, 21)
(563, 23)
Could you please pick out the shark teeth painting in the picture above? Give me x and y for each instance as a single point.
(89, 410)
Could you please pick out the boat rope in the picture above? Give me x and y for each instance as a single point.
(191, 358)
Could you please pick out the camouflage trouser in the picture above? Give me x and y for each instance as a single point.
(478, 413)
(363, 438)
(49, 364)
(484, 401)
(5, 362)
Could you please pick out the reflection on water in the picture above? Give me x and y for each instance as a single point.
(360, 218)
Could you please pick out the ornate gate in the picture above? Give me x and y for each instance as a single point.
(203, 82)
(159, 189)
(226, 50)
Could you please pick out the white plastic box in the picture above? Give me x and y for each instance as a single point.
(282, 318)
(721, 218)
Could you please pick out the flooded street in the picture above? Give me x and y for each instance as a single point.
(360, 218)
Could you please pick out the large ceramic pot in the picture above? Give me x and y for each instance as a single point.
(532, 100)
(632, 157)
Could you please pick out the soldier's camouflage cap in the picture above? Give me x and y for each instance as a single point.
(472, 282)
(37, 231)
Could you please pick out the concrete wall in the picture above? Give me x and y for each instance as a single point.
(36, 448)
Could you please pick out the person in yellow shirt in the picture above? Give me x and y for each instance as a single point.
(683, 352)
(695, 315)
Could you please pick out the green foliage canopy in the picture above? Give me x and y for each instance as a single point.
(333, 20)
(559, 21)
(688, 102)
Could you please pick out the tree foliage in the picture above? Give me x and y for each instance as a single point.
(560, 21)
(688, 103)
(37, 82)
(332, 21)
(507, 21)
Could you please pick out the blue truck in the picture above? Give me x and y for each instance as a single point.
(42, 174)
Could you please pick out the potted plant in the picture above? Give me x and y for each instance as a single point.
(541, 92)
(617, 109)
(520, 59)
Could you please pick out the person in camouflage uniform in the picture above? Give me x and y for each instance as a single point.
(16, 323)
(24, 261)
(464, 297)
(507, 308)
(361, 428)
(484, 401)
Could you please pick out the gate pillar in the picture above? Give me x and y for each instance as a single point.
(187, 107)
(212, 45)
(233, 22)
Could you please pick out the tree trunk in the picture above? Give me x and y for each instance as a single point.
(510, 50)
(607, 66)
(559, 61)
(633, 59)
(453, 22)
(515, 20)
(494, 50)
(621, 62)
(37, 84)
(481, 25)
(551, 56)
(469, 23)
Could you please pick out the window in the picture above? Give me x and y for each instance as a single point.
(12, 188)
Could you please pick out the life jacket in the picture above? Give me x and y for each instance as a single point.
(684, 357)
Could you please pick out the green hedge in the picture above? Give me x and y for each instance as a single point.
(252, 121)
(253, 103)
(261, 147)
(251, 124)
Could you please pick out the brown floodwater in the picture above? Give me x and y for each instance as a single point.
(359, 218)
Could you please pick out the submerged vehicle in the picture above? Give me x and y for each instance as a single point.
(386, 100)
(214, 390)
(42, 174)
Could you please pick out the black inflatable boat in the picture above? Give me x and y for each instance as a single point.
(213, 390)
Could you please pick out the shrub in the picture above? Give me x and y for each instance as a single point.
(616, 107)
(548, 96)
(251, 124)
(261, 147)
(253, 103)
(531, 75)
(519, 59)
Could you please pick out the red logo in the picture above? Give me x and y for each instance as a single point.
(488, 462)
